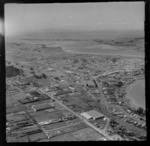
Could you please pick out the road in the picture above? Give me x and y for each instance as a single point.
(100, 90)
(99, 87)
(30, 117)
(79, 116)
(88, 93)
(103, 132)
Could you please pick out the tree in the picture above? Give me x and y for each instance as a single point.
(44, 76)
(114, 60)
(119, 84)
(140, 110)
(56, 78)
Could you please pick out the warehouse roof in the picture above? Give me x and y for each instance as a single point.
(95, 114)
(42, 106)
(86, 115)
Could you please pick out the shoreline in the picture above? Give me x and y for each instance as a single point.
(102, 53)
(128, 99)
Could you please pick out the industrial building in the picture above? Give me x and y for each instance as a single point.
(29, 100)
(33, 99)
(43, 106)
(92, 115)
(86, 115)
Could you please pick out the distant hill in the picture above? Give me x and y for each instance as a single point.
(48, 34)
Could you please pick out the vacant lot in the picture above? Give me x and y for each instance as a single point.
(87, 134)
(13, 98)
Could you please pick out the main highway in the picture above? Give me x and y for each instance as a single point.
(103, 133)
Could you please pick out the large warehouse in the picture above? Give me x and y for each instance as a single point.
(92, 115)
(42, 106)
(86, 115)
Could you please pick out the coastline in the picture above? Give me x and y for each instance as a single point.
(128, 99)
(102, 53)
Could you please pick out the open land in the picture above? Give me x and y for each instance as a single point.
(73, 90)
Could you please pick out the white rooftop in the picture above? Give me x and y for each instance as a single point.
(95, 114)
(86, 115)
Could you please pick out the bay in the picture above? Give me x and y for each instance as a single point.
(137, 93)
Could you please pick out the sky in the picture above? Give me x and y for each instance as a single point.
(20, 18)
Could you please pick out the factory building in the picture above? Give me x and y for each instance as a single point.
(43, 106)
(92, 115)
(95, 115)
(33, 99)
(86, 115)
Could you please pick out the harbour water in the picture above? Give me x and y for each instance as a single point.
(137, 93)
